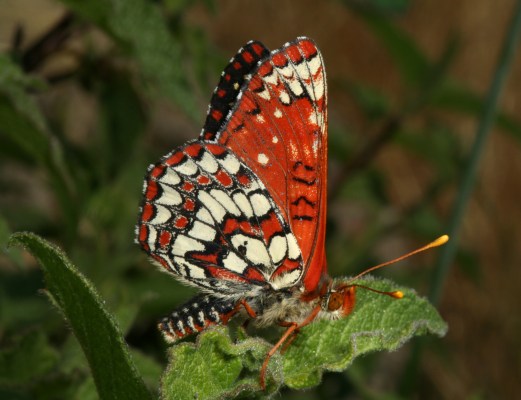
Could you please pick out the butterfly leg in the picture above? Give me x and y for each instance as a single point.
(290, 338)
(251, 312)
(290, 333)
(293, 326)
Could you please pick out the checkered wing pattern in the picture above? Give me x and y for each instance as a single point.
(207, 218)
(243, 208)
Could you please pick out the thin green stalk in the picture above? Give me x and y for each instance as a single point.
(448, 252)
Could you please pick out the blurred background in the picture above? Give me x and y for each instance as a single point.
(93, 92)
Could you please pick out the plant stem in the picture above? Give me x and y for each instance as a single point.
(409, 379)
(448, 251)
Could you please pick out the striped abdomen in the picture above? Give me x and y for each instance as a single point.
(196, 315)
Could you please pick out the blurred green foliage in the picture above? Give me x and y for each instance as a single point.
(84, 194)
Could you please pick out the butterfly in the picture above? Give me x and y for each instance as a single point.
(240, 212)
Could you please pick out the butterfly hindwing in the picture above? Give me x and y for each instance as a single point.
(209, 220)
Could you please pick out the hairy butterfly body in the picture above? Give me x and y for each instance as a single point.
(240, 212)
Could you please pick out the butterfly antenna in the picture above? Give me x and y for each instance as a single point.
(438, 242)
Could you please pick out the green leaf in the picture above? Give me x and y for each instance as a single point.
(112, 368)
(377, 323)
(214, 367)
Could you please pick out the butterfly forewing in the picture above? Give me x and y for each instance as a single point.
(278, 128)
(230, 84)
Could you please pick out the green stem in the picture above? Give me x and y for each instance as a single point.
(448, 251)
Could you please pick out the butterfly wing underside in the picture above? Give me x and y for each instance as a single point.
(279, 129)
(244, 206)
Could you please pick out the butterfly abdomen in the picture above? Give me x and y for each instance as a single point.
(196, 315)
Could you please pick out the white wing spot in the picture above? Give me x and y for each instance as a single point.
(180, 327)
(275, 140)
(231, 164)
(194, 270)
(254, 249)
(314, 64)
(313, 119)
(163, 214)
(302, 70)
(286, 72)
(244, 205)
(215, 314)
(170, 177)
(225, 200)
(293, 247)
(205, 216)
(169, 197)
(278, 248)
(183, 244)
(319, 88)
(234, 263)
(202, 232)
(215, 208)
(271, 79)
(295, 87)
(187, 168)
(197, 272)
(208, 163)
(152, 236)
(284, 98)
(265, 94)
(277, 113)
(260, 204)
(262, 159)
(287, 280)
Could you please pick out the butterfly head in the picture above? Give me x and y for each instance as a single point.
(340, 300)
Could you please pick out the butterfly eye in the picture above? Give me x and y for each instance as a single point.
(335, 301)
(342, 299)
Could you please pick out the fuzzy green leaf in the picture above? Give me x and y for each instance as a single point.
(377, 323)
(112, 368)
(214, 367)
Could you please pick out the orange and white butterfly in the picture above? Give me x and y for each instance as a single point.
(241, 211)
